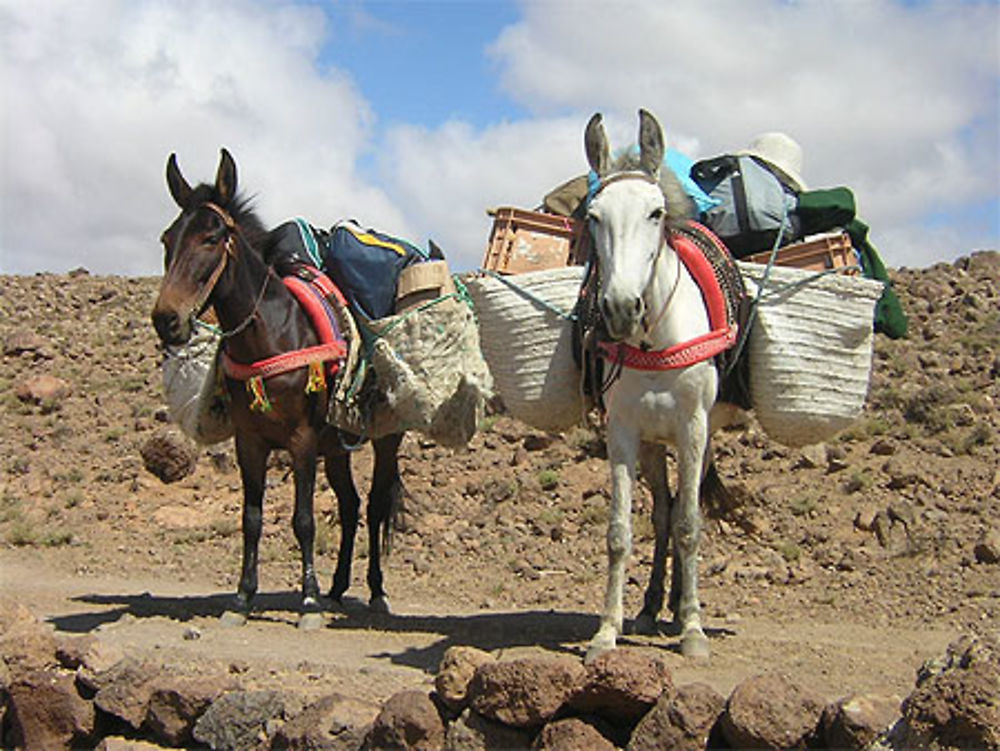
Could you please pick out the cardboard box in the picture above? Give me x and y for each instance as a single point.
(522, 241)
(818, 253)
(422, 282)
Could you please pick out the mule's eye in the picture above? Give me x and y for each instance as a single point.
(657, 214)
(592, 217)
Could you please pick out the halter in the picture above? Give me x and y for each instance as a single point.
(632, 175)
(228, 251)
(723, 333)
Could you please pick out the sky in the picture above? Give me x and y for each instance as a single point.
(416, 117)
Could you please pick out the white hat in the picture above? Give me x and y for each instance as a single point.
(783, 153)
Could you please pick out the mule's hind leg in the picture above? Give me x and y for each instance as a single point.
(338, 474)
(623, 447)
(653, 465)
(304, 525)
(387, 488)
(252, 458)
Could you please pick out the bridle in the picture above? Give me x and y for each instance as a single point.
(648, 327)
(233, 235)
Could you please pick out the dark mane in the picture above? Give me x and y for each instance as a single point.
(241, 208)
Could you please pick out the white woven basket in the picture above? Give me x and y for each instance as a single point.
(810, 351)
(529, 347)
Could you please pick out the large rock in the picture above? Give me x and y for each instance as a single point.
(682, 719)
(332, 723)
(176, 702)
(622, 685)
(854, 722)
(956, 703)
(571, 734)
(25, 643)
(473, 732)
(46, 711)
(455, 673)
(771, 712)
(45, 390)
(524, 693)
(125, 689)
(169, 455)
(408, 720)
(238, 720)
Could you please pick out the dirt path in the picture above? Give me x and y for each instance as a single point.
(375, 656)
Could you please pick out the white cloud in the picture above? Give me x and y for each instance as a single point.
(99, 93)
(897, 102)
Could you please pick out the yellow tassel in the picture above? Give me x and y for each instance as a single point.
(258, 395)
(317, 381)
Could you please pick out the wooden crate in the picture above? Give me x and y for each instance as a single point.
(820, 253)
(523, 241)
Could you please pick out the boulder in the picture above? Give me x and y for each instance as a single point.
(682, 719)
(47, 711)
(956, 703)
(854, 722)
(524, 693)
(473, 732)
(571, 734)
(408, 720)
(238, 720)
(332, 723)
(771, 712)
(45, 390)
(455, 673)
(176, 702)
(124, 690)
(622, 685)
(169, 455)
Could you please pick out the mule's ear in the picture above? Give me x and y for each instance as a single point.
(178, 186)
(651, 146)
(225, 178)
(595, 141)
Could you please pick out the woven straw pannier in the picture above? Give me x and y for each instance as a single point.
(529, 346)
(810, 351)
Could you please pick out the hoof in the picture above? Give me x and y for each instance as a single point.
(694, 645)
(311, 622)
(601, 643)
(380, 605)
(233, 618)
(645, 625)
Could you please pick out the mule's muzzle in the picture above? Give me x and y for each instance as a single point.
(622, 315)
(172, 328)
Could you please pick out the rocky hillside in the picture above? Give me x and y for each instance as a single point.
(893, 522)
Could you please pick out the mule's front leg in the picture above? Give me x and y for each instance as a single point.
(686, 536)
(623, 446)
(252, 457)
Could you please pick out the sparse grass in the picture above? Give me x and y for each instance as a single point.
(551, 516)
(859, 480)
(595, 512)
(548, 479)
(801, 505)
(965, 442)
(74, 498)
(54, 538)
(789, 551)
